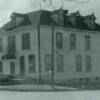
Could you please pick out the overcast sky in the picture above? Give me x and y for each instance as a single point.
(24, 6)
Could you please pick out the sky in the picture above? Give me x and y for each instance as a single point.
(24, 6)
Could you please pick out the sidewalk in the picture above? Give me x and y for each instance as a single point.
(35, 88)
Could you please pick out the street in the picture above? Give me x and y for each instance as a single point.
(74, 95)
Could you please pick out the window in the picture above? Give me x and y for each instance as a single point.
(78, 63)
(31, 64)
(81, 80)
(72, 41)
(97, 78)
(57, 18)
(87, 43)
(12, 67)
(26, 41)
(48, 63)
(88, 63)
(59, 40)
(11, 44)
(22, 65)
(87, 80)
(59, 63)
(1, 67)
(1, 44)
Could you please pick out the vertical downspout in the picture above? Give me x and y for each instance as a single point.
(39, 54)
(52, 69)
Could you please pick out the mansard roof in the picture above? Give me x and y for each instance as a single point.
(33, 18)
(75, 14)
(44, 17)
(76, 20)
(89, 16)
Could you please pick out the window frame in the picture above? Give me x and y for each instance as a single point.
(22, 65)
(88, 64)
(12, 71)
(72, 41)
(60, 68)
(26, 41)
(1, 67)
(87, 43)
(32, 59)
(1, 44)
(78, 63)
(11, 44)
(59, 42)
(47, 69)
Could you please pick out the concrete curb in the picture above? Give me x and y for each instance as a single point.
(36, 89)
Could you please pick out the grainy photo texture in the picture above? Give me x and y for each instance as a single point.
(49, 50)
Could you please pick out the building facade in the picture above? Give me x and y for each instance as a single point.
(26, 46)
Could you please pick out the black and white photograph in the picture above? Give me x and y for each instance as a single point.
(49, 49)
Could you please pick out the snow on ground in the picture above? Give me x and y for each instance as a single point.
(34, 87)
(72, 95)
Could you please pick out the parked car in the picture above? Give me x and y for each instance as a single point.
(6, 77)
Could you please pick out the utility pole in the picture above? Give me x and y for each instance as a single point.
(40, 5)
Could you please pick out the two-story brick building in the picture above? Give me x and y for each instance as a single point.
(26, 45)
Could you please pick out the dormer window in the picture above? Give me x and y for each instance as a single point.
(90, 21)
(93, 19)
(57, 17)
(77, 13)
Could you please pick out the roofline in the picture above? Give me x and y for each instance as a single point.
(30, 12)
(56, 27)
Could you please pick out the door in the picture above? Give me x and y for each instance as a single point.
(48, 63)
(31, 64)
(22, 65)
(12, 67)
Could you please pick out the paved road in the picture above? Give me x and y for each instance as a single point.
(83, 95)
